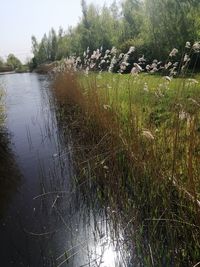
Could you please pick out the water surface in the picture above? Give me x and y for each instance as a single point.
(46, 222)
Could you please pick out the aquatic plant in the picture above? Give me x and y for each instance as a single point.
(139, 153)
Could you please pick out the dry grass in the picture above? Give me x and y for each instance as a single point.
(139, 152)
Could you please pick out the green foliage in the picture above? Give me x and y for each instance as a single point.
(170, 24)
(133, 16)
(13, 61)
(154, 27)
(47, 49)
(1, 62)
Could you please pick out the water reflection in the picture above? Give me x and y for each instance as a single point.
(48, 222)
(9, 174)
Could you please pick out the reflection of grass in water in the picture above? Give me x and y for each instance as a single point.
(9, 174)
(1, 107)
(138, 141)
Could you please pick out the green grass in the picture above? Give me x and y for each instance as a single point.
(140, 139)
(154, 108)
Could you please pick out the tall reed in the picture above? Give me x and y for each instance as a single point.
(140, 142)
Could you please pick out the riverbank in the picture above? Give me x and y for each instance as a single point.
(10, 70)
(138, 139)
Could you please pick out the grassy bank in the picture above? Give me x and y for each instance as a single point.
(137, 150)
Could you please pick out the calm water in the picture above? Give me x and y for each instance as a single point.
(46, 222)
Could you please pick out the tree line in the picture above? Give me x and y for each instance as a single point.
(12, 63)
(153, 27)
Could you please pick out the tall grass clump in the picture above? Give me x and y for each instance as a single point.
(137, 150)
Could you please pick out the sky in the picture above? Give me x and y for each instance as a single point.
(20, 19)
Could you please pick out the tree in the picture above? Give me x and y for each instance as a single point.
(35, 46)
(13, 61)
(43, 51)
(52, 45)
(1, 62)
(132, 11)
(154, 27)
(170, 24)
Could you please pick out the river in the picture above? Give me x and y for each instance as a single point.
(46, 222)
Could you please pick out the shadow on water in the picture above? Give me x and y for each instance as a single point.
(9, 174)
(48, 222)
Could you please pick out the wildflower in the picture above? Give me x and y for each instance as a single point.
(168, 65)
(183, 115)
(146, 88)
(196, 46)
(175, 64)
(134, 71)
(188, 45)
(173, 52)
(154, 65)
(112, 63)
(78, 60)
(124, 65)
(93, 56)
(155, 69)
(106, 107)
(137, 66)
(148, 134)
(102, 61)
(113, 50)
(98, 54)
(173, 71)
(126, 57)
(186, 58)
(142, 59)
(87, 71)
(192, 81)
(168, 78)
(147, 67)
(92, 65)
(131, 50)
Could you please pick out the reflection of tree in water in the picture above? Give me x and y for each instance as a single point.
(9, 174)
